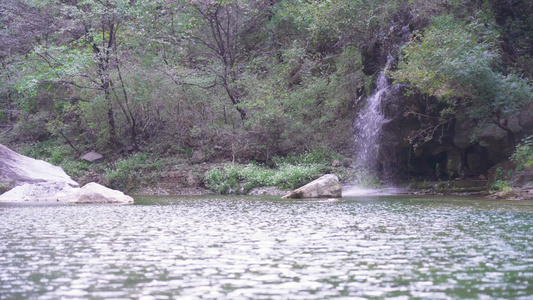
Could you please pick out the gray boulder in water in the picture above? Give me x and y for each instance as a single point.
(327, 186)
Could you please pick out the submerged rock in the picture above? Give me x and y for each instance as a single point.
(267, 191)
(327, 186)
(96, 193)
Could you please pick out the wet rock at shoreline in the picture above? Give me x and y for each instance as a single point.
(37, 180)
(96, 193)
(327, 186)
(525, 193)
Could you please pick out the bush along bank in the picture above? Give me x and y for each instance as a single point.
(178, 173)
(284, 173)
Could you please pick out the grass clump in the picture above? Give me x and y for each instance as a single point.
(292, 176)
(126, 173)
(500, 186)
(4, 187)
(238, 179)
(523, 154)
(288, 173)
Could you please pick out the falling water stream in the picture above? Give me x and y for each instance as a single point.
(370, 122)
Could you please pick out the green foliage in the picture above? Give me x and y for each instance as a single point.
(52, 64)
(293, 176)
(75, 168)
(154, 70)
(455, 61)
(4, 187)
(318, 157)
(126, 173)
(523, 154)
(237, 179)
(57, 154)
(290, 173)
(45, 151)
(500, 185)
(355, 20)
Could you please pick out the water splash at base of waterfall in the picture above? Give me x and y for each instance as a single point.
(355, 191)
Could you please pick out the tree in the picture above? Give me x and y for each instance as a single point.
(22, 27)
(86, 52)
(210, 35)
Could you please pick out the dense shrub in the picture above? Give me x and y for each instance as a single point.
(126, 173)
(239, 179)
(523, 154)
(457, 61)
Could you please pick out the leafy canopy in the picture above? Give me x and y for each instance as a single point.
(458, 63)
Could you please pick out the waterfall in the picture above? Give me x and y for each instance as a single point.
(369, 124)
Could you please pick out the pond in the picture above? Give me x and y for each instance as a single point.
(268, 248)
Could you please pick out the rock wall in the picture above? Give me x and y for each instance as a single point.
(452, 154)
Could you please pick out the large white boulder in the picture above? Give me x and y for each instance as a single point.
(96, 193)
(37, 180)
(39, 191)
(33, 180)
(21, 169)
(327, 186)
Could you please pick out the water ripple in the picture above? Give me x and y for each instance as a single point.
(261, 248)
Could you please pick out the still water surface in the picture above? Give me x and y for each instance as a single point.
(267, 248)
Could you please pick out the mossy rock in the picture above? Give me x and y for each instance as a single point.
(6, 186)
(451, 187)
(461, 187)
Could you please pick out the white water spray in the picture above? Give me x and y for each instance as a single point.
(368, 138)
(370, 122)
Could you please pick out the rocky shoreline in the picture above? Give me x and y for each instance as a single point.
(29, 179)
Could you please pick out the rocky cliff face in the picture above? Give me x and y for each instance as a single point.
(452, 153)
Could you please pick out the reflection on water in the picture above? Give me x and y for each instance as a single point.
(267, 248)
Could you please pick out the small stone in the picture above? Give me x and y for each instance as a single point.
(92, 156)
(197, 157)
